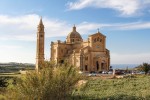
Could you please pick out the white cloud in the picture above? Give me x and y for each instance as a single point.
(130, 58)
(147, 2)
(54, 28)
(86, 27)
(125, 7)
(18, 28)
(25, 27)
(129, 26)
(10, 47)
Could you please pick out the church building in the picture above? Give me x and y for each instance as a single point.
(88, 55)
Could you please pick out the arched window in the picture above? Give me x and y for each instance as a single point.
(41, 35)
(95, 40)
(72, 40)
(98, 39)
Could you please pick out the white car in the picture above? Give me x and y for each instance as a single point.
(142, 72)
(104, 72)
(92, 74)
(110, 72)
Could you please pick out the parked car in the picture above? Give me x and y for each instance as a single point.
(104, 72)
(110, 72)
(100, 72)
(142, 72)
(92, 74)
(119, 73)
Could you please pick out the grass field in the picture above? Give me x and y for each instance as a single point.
(131, 88)
(10, 74)
(135, 88)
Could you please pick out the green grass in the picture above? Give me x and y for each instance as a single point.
(131, 88)
(137, 88)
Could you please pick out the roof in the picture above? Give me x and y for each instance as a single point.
(97, 33)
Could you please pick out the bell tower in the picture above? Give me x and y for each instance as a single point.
(40, 45)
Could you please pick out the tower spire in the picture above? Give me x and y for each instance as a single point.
(41, 22)
(40, 45)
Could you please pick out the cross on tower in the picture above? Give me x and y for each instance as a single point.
(98, 30)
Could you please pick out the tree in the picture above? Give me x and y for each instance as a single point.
(145, 67)
(53, 82)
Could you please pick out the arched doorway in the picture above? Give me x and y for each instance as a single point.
(86, 68)
(97, 65)
(103, 65)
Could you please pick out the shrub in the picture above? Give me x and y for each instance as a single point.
(50, 83)
(3, 82)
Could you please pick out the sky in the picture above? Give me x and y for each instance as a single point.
(125, 23)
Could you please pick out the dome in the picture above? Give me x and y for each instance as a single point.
(74, 36)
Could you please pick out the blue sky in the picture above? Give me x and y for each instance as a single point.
(126, 23)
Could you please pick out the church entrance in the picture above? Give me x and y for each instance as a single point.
(103, 66)
(86, 68)
(97, 65)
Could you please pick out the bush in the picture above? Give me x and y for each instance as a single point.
(145, 67)
(3, 82)
(50, 83)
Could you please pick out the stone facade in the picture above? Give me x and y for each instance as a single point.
(40, 45)
(90, 55)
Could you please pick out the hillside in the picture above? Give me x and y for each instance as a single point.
(15, 67)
